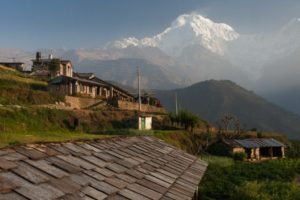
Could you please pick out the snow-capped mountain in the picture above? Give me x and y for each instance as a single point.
(186, 30)
(287, 39)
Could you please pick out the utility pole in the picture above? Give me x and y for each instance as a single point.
(176, 106)
(139, 89)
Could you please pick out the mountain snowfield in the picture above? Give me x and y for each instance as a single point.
(186, 30)
(210, 50)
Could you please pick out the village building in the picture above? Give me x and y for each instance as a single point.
(62, 79)
(87, 86)
(108, 90)
(51, 67)
(14, 65)
(115, 168)
(257, 148)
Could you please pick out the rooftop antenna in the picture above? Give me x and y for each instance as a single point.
(139, 89)
(13, 59)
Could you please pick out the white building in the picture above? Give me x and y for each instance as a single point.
(145, 123)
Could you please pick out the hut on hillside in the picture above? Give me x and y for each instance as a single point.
(257, 148)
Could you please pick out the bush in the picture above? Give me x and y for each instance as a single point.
(247, 180)
(241, 156)
(219, 149)
(294, 151)
(267, 190)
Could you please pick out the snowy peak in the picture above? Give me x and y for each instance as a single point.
(186, 30)
(205, 27)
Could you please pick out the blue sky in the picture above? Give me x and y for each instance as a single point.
(33, 24)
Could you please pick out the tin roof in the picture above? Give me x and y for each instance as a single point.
(117, 168)
(254, 142)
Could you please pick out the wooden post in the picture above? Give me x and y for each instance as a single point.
(271, 152)
(282, 152)
(70, 89)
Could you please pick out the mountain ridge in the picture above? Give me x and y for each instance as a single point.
(213, 99)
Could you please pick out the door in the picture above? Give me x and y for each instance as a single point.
(143, 123)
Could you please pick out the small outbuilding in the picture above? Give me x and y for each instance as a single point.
(145, 122)
(257, 148)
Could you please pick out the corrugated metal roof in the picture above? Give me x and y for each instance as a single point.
(255, 142)
(117, 168)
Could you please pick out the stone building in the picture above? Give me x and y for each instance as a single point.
(257, 148)
(51, 67)
(62, 79)
(87, 86)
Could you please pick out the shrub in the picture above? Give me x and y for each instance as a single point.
(241, 156)
(219, 149)
(294, 151)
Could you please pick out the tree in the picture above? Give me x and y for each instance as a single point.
(185, 119)
(230, 127)
(54, 65)
(188, 119)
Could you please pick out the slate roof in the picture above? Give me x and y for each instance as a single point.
(61, 79)
(254, 143)
(118, 168)
(84, 75)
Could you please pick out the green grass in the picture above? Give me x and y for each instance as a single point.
(20, 126)
(10, 75)
(16, 138)
(228, 179)
(218, 160)
(21, 89)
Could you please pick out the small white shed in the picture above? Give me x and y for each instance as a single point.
(145, 123)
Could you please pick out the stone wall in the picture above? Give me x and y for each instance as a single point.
(79, 102)
(126, 105)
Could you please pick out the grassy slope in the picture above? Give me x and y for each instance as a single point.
(10, 75)
(30, 125)
(17, 88)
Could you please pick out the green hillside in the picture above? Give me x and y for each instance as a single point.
(214, 99)
(19, 89)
